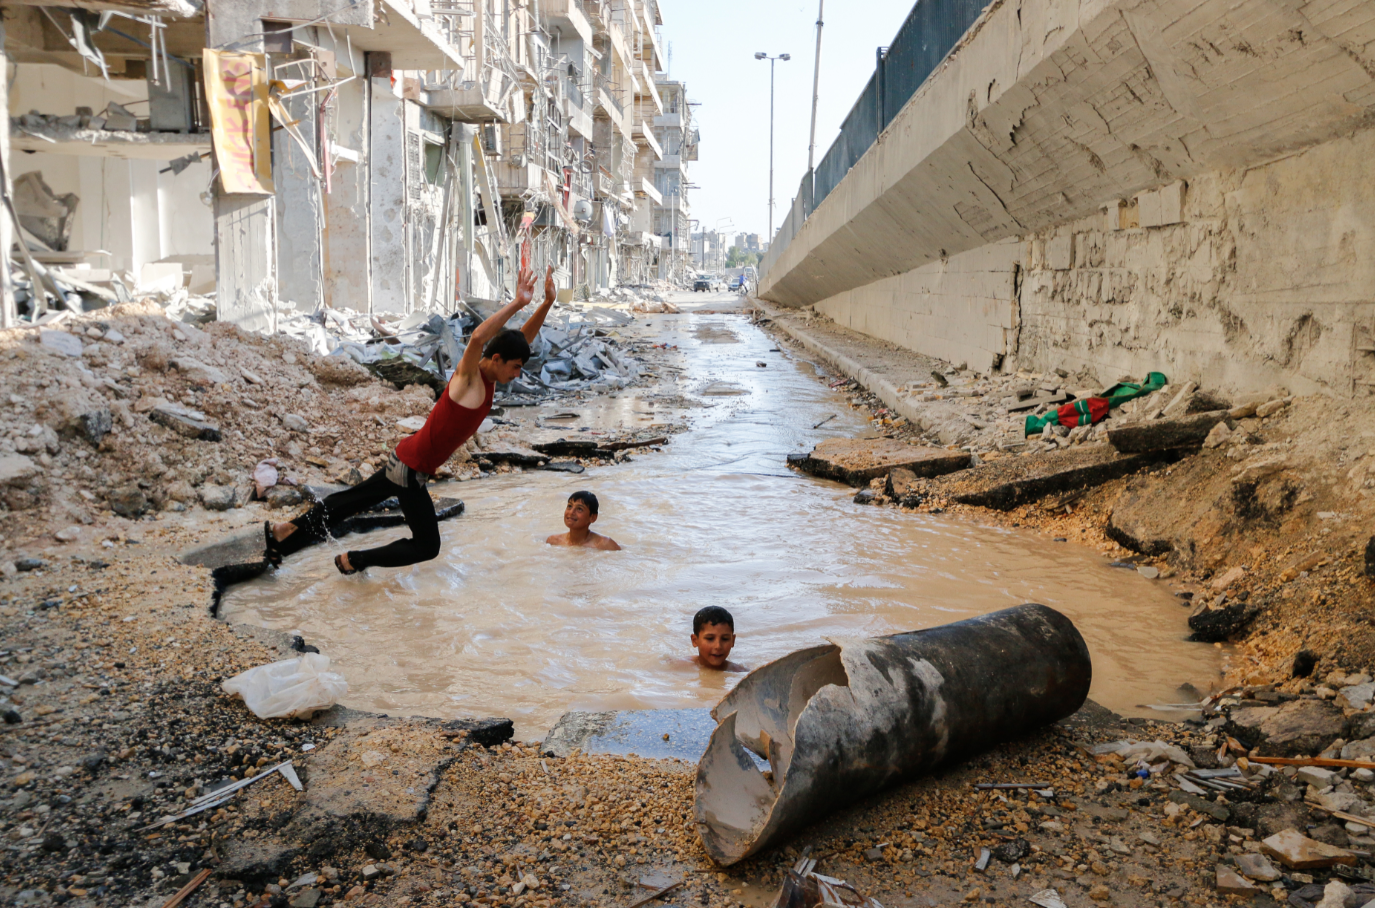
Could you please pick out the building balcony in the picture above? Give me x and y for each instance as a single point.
(645, 189)
(411, 32)
(643, 134)
(568, 14)
(579, 117)
(668, 120)
(648, 89)
(470, 102)
(609, 106)
(517, 175)
(670, 162)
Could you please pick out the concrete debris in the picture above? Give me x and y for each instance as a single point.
(1229, 882)
(1298, 852)
(856, 461)
(1181, 432)
(41, 212)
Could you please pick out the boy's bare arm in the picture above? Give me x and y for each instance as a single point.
(536, 320)
(472, 354)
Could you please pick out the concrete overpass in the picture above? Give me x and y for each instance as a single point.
(1114, 187)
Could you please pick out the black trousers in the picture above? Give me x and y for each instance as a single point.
(416, 505)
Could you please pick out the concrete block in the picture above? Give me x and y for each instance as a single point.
(1060, 252)
(1172, 203)
(1148, 208)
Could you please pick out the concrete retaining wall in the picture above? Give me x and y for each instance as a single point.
(1185, 179)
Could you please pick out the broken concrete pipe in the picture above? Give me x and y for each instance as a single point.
(839, 721)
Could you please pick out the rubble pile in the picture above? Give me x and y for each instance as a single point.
(126, 410)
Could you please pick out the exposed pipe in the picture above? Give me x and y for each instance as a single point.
(840, 721)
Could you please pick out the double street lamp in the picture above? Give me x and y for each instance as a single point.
(763, 56)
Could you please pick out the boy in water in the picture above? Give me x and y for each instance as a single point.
(495, 355)
(713, 633)
(579, 515)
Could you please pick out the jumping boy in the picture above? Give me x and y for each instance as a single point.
(713, 633)
(579, 515)
(494, 355)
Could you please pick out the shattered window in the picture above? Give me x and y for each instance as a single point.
(434, 163)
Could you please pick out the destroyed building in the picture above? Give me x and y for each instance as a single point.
(379, 156)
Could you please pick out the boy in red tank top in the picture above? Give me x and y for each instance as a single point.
(494, 355)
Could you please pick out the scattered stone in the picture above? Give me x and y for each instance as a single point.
(1214, 622)
(1338, 895)
(306, 898)
(1270, 408)
(865, 496)
(1315, 775)
(297, 423)
(371, 872)
(1301, 727)
(198, 372)
(1166, 434)
(129, 501)
(874, 854)
(305, 880)
(903, 487)
(1357, 696)
(1229, 882)
(218, 498)
(1012, 852)
(95, 425)
(858, 461)
(1298, 852)
(283, 497)
(61, 341)
(16, 469)
(1218, 437)
(11, 716)
(30, 564)
(1225, 580)
(184, 423)
(1147, 571)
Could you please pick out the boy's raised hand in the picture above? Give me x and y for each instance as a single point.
(525, 288)
(550, 291)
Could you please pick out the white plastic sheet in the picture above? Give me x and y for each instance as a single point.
(290, 689)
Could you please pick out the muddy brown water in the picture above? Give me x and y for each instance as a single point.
(502, 624)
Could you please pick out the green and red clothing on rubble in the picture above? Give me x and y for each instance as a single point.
(1092, 410)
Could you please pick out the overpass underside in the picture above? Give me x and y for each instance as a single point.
(1115, 187)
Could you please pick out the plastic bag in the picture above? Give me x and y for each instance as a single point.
(1148, 751)
(290, 689)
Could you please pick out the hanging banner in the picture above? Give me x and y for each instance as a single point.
(236, 93)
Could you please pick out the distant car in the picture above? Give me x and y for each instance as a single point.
(703, 284)
(737, 282)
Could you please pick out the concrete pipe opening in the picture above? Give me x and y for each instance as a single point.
(843, 720)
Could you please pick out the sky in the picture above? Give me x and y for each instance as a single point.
(713, 46)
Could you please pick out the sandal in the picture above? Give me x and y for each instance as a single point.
(339, 563)
(273, 555)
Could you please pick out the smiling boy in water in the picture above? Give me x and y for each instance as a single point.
(579, 515)
(713, 633)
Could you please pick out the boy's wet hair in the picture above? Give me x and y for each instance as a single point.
(586, 498)
(510, 345)
(712, 614)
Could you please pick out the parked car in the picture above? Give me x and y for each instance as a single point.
(737, 282)
(703, 284)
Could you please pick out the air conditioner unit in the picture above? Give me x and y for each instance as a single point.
(491, 139)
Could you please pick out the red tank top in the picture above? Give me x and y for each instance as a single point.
(447, 427)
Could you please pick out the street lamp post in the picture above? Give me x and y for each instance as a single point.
(763, 56)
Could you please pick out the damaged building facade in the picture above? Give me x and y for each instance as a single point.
(380, 156)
